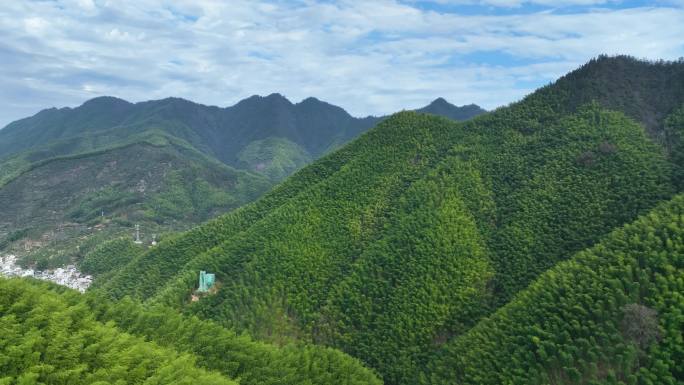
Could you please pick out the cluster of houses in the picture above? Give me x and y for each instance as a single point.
(68, 276)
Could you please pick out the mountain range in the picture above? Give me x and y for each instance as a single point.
(94, 171)
(539, 243)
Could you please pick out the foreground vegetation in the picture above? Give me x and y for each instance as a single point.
(53, 335)
(47, 340)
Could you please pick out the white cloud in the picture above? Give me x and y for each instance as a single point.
(370, 57)
(518, 3)
(35, 26)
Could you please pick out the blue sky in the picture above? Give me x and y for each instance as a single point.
(370, 56)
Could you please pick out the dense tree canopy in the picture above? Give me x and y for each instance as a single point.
(48, 340)
(53, 335)
(613, 314)
(407, 239)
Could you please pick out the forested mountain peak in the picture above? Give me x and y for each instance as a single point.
(311, 100)
(274, 97)
(105, 101)
(312, 103)
(442, 107)
(647, 91)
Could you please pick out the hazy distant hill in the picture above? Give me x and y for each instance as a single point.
(221, 133)
(443, 108)
(423, 247)
(280, 128)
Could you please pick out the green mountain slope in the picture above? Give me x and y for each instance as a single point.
(165, 165)
(646, 92)
(403, 240)
(157, 183)
(54, 124)
(53, 335)
(588, 319)
(109, 256)
(274, 157)
(48, 340)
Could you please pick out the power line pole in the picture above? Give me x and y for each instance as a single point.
(137, 234)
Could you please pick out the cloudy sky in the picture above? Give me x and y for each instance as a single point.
(368, 56)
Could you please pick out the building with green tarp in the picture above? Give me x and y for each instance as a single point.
(206, 281)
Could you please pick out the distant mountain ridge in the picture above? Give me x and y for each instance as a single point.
(222, 132)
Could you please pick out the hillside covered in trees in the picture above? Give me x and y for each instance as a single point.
(52, 335)
(488, 251)
(71, 178)
(611, 314)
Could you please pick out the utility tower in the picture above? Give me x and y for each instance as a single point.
(137, 235)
